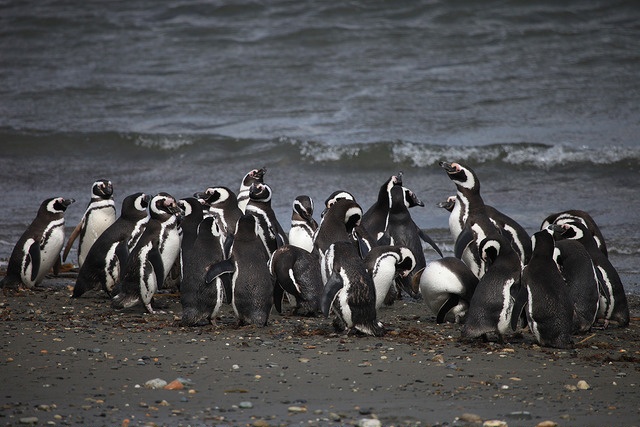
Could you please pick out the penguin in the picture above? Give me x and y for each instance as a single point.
(201, 301)
(338, 223)
(579, 273)
(153, 256)
(38, 249)
(99, 215)
(446, 285)
(252, 286)
(350, 291)
(544, 296)
(105, 262)
(272, 235)
(255, 176)
(296, 271)
(574, 215)
(223, 203)
(375, 218)
(335, 196)
(303, 226)
(613, 300)
(492, 302)
(469, 202)
(385, 264)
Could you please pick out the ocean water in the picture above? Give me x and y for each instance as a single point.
(540, 98)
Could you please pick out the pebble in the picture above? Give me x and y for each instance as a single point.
(155, 383)
(494, 423)
(470, 418)
(369, 422)
(245, 405)
(583, 385)
(29, 420)
(297, 409)
(260, 423)
(547, 424)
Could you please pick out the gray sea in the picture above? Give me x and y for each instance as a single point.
(541, 99)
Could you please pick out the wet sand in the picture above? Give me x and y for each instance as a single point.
(78, 362)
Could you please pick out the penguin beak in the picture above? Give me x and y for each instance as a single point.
(448, 167)
(67, 202)
(446, 205)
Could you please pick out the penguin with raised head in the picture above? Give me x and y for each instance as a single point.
(252, 286)
(492, 302)
(255, 176)
(386, 264)
(375, 218)
(585, 218)
(38, 249)
(544, 295)
(273, 235)
(104, 265)
(350, 291)
(469, 203)
(153, 256)
(303, 226)
(201, 301)
(578, 271)
(99, 215)
(613, 300)
(446, 285)
(223, 203)
(296, 271)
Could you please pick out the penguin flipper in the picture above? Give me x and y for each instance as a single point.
(331, 288)
(218, 269)
(603, 290)
(278, 294)
(155, 258)
(518, 306)
(33, 255)
(465, 237)
(228, 243)
(384, 240)
(72, 238)
(122, 253)
(424, 236)
(451, 302)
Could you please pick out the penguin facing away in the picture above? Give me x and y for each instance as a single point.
(99, 215)
(153, 256)
(104, 265)
(385, 264)
(38, 249)
(544, 296)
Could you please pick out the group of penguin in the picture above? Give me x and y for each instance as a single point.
(219, 248)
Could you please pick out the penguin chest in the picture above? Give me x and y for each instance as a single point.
(383, 277)
(97, 220)
(301, 235)
(50, 247)
(169, 246)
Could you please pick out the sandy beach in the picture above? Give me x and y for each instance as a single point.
(77, 362)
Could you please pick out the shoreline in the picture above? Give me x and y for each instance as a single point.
(78, 362)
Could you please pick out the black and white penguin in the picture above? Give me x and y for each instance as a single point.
(252, 286)
(492, 302)
(296, 271)
(99, 215)
(193, 215)
(223, 203)
(255, 176)
(469, 202)
(446, 285)
(614, 308)
(545, 296)
(386, 264)
(575, 265)
(38, 249)
(273, 235)
(574, 215)
(104, 265)
(303, 226)
(338, 223)
(375, 218)
(350, 291)
(153, 256)
(201, 301)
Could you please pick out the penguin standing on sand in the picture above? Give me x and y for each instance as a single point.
(200, 300)
(575, 264)
(493, 299)
(446, 285)
(223, 203)
(99, 215)
(38, 249)
(153, 256)
(350, 291)
(613, 300)
(255, 176)
(544, 296)
(105, 262)
(252, 286)
(303, 226)
(272, 234)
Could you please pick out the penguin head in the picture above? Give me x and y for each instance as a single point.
(303, 206)
(463, 176)
(411, 199)
(191, 206)
(489, 250)
(216, 195)
(102, 189)
(139, 201)
(254, 176)
(260, 192)
(449, 204)
(569, 230)
(542, 242)
(163, 205)
(406, 261)
(56, 205)
(335, 196)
